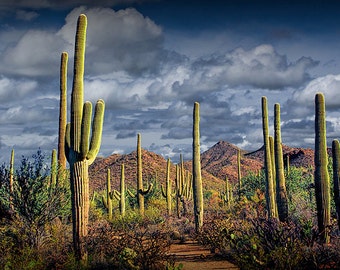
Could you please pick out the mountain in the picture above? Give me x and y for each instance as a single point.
(218, 162)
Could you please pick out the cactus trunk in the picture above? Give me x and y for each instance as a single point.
(281, 193)
(11, 178)
(196, 170)
(336, 175)
(167, 192)
(321, 176)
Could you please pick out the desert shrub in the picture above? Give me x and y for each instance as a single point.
(35, 201)
(140, 245)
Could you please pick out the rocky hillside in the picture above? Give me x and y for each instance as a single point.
(218, 162)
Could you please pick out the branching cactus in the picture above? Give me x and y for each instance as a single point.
(141, 192)
(120, 195)
(196, 170)
(336, 175)
(281, 192)
(80, 150)
(270, 195)
(321, 176)
(107, 200)
(167, 192)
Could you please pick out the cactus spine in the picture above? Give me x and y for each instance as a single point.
(336, 175)
(196, 170)
(270, 197)
(281, 193)
(167, 192)
(62, 110)
(321, 177)
(79, 153)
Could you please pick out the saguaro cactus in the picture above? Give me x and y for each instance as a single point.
(239, 175)
(120, 195)
(270, 197)
(79, 153)
(196, 170)
(107, 200)
(11, 178)
(167, 192)
(321, 176)
(141, 192)
(336, 175)
(62, 110)
(281, 193)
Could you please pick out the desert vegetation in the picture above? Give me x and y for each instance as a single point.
(54, 216)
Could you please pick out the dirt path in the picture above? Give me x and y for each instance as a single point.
(196, 257)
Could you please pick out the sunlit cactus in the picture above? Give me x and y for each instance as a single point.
(80, 150)
(196, 170)
(270, 194)
(321, 176)
(281, 193)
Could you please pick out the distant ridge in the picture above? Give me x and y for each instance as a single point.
(218, 162)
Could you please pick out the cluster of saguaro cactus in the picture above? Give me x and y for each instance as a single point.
(141, 191)
(321, 176)
(227, 195)
(80, 151)
(167, 193)
(270, 194)
(196, 170)
(183, 187)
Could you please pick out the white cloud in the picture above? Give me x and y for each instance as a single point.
(329, 85)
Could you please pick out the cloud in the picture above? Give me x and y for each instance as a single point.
(329, 85)
(26, 15)
(12, 89)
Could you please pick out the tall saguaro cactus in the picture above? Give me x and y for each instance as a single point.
(336, 176)
(321, 176)
(62, 110)
(80, 150)
(281, 192)
(196, 169)
(167, 192)
(270, 197)
(141, 192)
(239, 174)
(11, 179)
(107, 200)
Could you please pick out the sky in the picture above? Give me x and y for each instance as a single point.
(150, 60)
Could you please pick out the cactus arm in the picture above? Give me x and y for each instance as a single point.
(132, 195)
(62, 110)
(85, 129)
(78, 84)
(163, 191)
(67, 141)
(97, 128)
(146, 191)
